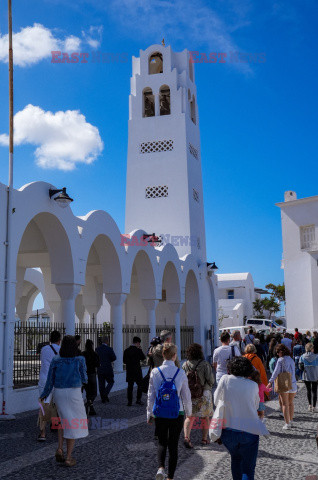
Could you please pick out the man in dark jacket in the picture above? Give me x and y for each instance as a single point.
(133, 355)
(105, 371)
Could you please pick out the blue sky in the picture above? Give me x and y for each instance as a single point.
(258, 120)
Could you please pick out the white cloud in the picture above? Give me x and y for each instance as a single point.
(33, 44)
(63, 139)
(72, 44)
(94, 36)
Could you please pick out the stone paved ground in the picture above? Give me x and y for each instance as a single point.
(125, 449)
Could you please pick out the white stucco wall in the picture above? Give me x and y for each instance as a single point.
(300, 265)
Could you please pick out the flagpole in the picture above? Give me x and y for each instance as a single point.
(8, 310)
(10, 96)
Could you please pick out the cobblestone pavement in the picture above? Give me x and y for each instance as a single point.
(125, 449)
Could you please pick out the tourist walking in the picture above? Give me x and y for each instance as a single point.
(298, 350)
(169, 401)
(92, 363)
(153, 344)
(240, 398)
(105, 370)
(133, 355)
(250, 354)
(249, 338)
(66, 375)
(287, 341)
(309, 362)
(157, 357)
(262, 389)
(47, 354)
(223, 354)
(285, 364)
(259, 350)
(201, 380)
(237, 341)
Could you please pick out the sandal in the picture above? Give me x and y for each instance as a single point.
(70, 463)
(205, 441)
(59, 456)
(187, 443)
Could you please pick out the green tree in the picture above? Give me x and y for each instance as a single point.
(271, 305)
(277, 291)
(258, 308)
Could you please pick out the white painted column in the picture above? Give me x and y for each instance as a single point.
(116, 301)
(150, 306)
(55, 307)
(175, 309)
(68, 293)
(157, 105)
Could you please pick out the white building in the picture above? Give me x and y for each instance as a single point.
(236, 295)
(300, 260)
(84, 266)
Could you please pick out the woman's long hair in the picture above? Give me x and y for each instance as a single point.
(69, 347)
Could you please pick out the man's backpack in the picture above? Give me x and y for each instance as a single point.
(167, 403)
(195, 386)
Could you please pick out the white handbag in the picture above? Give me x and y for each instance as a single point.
(217, 422)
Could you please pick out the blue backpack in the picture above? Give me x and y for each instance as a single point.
(167, 403)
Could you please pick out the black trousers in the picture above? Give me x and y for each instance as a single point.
(168, 431)
(91, 387)
(104, 378)
(130, 390)
(311, 392)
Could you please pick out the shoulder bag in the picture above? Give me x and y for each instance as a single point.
(283, 383)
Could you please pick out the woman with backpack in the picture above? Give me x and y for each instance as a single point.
(169, 401)
(201, 380)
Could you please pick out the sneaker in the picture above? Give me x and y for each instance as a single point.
(161, 474)
(314, 409)
(291, 423)
(310, 408)
(41, 439)
(287, 426)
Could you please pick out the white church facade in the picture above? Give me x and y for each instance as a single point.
(156, 273)
(300, 260)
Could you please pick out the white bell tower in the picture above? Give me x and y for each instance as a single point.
(164, 180)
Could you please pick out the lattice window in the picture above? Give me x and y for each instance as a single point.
(158, 146)
(196, 195)
(157, 192)
(193, 151)
(307, 236)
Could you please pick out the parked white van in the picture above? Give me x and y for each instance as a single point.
(263, 324)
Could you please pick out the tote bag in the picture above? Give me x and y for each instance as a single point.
(217, 422)
(283, 383)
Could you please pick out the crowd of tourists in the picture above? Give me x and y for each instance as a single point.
(247, 371)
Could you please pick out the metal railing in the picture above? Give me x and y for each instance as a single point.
(29, 339)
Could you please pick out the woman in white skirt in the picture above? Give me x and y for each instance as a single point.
(67, 374)
(201, 380)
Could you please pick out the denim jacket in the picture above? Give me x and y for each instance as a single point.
(65, 373)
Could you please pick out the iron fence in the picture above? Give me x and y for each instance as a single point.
(30, 338)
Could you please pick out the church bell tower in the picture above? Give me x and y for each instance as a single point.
(164, 180)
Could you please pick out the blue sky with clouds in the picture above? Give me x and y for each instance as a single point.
(258, 120)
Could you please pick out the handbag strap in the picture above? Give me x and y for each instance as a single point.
(55, 352)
